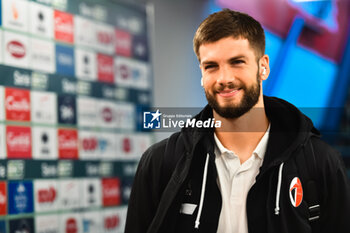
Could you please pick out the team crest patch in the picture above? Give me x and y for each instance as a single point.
(296, 192)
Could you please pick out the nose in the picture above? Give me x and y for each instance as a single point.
(225, 76)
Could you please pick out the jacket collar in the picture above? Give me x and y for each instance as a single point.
(289, 129)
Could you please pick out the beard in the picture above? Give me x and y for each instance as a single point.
(232, 111)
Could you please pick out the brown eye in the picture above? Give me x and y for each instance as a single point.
(209, 67)
(238, 62)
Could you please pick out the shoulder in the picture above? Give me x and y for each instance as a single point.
(327, 157)
(154, 155)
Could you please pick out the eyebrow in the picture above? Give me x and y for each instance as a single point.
(237, 58)
(230, 60)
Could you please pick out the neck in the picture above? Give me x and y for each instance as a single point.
(243, 134)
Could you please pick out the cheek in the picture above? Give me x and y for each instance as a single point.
(208, 82)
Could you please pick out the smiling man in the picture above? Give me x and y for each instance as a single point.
(264, 170)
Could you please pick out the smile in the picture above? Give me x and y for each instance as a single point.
(229, 92)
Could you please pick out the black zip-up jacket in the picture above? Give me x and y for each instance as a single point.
(156, 197)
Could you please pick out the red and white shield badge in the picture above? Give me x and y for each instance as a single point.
(296, 192)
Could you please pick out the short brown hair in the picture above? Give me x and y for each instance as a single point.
(227, 23)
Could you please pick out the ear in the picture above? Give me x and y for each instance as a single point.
(264, 67)
(201, 68)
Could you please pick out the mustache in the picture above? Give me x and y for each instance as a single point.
(222, 87)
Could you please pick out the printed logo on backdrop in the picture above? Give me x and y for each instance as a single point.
(84, 31)
(111, 195)
(107, 145)
(107, 118)
(85, 65)
(132, 73)
(105, 68)
(3, 169)
(46, 195)
(67, 143)
(65, 60)
(21, 78)
(106, 168)
(123, 72)
(21, 225)
(49, 169)
(91, 193)
(15, 15)
(105, 38)
(70, 194)
(111, 223)
(87, 115)
(44, 107)
(123, 43)
(39, 81)
(143, 142)
(71, 223)
(17, 104)
(132, 146)
(44, 143)
(60, 4)
(15, 169)
(18, 142)
(126, 189)
(84, 88)
(41, 20)
(143, 98)
(140, 48)
(97, 12)
(129, 169)
(92, 169)
(16, 50)
(2, 148)
(66, 109)
(42, 55)
(88, 145)
(63, 26)
(130, 23)
(126, 145)
(46, 224)
(20, 197)
(65, 168)
(92, 222)
(125, 115)
(3, 198)
(113, 219)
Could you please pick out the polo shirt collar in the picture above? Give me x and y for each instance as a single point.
(259, 150)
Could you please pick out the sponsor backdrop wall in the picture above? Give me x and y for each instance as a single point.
(73, 76)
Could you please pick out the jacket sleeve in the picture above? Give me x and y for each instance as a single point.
(335, 196)
(145, 193)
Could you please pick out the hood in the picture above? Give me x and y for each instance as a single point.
(289, 129)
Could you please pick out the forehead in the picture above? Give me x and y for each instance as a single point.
(225, 49)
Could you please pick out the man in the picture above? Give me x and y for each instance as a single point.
(264, 170)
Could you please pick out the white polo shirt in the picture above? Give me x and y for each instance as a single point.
(235, 180)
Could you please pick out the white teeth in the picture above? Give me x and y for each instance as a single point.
(233, 90)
